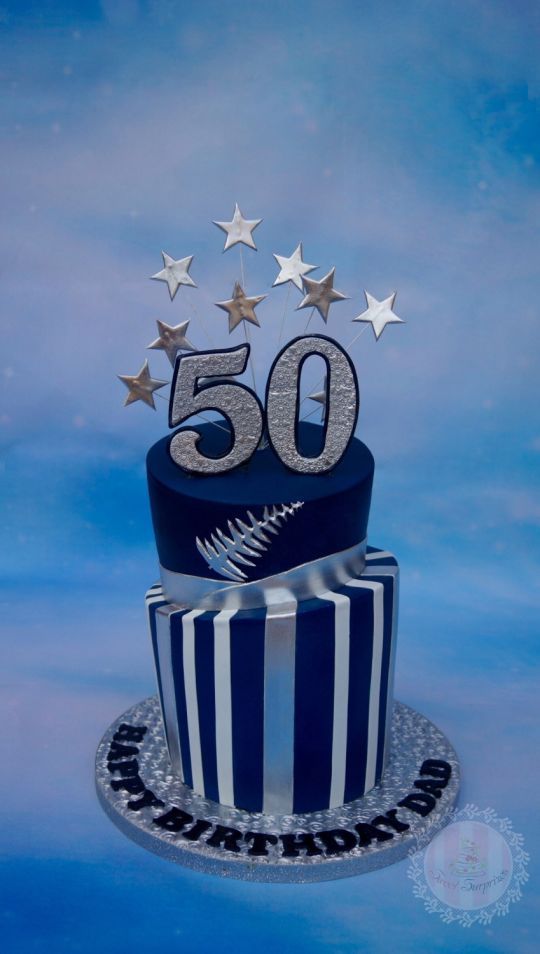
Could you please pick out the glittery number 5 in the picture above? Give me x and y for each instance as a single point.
(235, 401)
(283, 403)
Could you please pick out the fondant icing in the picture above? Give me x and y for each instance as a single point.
(281, 708)
(333, 518)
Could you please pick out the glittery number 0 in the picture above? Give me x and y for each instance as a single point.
(244, 412)
(283, 403)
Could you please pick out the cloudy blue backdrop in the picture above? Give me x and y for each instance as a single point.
(399, 142)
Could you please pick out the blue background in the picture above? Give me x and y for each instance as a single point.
(399, 142)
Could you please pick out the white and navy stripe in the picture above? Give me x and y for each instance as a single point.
(285, 708)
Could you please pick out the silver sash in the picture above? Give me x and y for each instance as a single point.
(303, 582)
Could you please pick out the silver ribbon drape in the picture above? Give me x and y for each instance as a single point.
(303, 582)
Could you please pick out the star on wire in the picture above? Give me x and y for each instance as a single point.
(239, 230)
(172, 339)
(175, 273)
(141, 386)
(292, 269)
(379, 313)
(320, 295)
(240, 308)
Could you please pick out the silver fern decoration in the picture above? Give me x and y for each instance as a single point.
(245, 542)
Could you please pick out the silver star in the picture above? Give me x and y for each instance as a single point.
(293, 268)
(379, 313)
(239, 230)
(172, 339)
(320, 295)
(141, 386)
(320, 397)
(175, 273)
(240, 308)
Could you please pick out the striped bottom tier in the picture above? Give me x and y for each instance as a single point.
(285, 708)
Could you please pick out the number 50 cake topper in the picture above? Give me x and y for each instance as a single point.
(205, 380)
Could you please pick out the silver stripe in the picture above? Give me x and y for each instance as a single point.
(375, 684)
(279, 668)
(190, 684)
(170, 718)
(341, 695)
(222, 681)
(302, 581)
(379, 555)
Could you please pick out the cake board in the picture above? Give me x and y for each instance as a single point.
(155, 809)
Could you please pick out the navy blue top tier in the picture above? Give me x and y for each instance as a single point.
(334, 515)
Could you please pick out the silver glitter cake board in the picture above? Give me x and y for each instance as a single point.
(133, 754)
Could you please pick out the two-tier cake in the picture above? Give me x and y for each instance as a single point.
(275, 681)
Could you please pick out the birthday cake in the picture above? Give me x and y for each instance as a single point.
(273, 625)
(276, 687)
